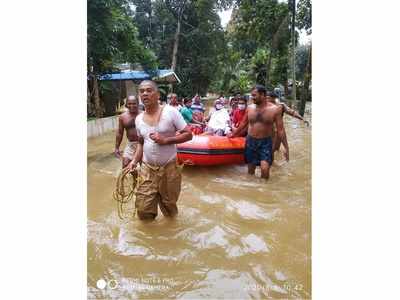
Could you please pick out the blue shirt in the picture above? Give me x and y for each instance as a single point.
(197, 107)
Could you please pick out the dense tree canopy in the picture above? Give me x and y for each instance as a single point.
(187, 36)
(113, 37)
(304, 15)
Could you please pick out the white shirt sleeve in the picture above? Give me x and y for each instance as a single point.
(177, 119)
(137, 124)
(227, 118)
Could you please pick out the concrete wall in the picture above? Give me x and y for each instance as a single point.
(100, 126)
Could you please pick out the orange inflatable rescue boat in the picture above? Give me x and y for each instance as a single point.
(209, 150)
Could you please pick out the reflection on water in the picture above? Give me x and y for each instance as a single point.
(236, 236)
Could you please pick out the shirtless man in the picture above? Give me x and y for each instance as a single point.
(272, 97)
(260, 118)
(126, 121)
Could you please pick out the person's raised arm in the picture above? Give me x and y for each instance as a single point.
(293, 113)
(194, 121)
(118, 138)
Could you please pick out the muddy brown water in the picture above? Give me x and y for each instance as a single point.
(236, 236)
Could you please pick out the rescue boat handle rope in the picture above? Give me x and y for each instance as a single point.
(125, 187)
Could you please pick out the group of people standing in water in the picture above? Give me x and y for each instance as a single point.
(153, 134)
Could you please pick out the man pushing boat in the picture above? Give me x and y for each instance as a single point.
(260, 118)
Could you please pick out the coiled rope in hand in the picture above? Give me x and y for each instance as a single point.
(125, 189)
(126, 185)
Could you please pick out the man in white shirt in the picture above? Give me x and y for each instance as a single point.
(218, 120)
(159, 129)
(172, 100)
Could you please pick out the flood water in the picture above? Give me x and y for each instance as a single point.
(236, 236)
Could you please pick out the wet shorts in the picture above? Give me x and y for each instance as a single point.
(257, 150)
(158, 186)
(129, 150)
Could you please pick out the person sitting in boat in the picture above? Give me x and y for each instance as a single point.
(195, 126)
(233, 103)
(224, 101)
(197, 109)
(172, 100)
(238, 115)
(218, 120)
(197, 106)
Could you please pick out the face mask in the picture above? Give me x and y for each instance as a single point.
(218, 106)
(241, 106)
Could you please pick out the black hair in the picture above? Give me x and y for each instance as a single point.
(243, 98)
(153, 84)
(260, 89)
(186, 100)
(272, 94)
(134, 99)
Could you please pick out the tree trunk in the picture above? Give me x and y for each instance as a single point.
(97, 101)
(268, 70)
(286, 88)
(176, 44)
(274, 46)
(306, 92)
(88, 102)
(293, 51)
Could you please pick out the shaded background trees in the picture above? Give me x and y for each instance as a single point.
(187, 36)
(112, 37)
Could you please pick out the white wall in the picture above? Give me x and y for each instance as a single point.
(100, 126)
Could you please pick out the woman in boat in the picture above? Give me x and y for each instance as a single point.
(238, 115)
(218, 120)
(198, 109)
(195, 126)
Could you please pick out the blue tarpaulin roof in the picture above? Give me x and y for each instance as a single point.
(166, 74)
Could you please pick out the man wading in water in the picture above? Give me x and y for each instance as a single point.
(127, 121)
(273, 98)
(260, 117)
(159, 129)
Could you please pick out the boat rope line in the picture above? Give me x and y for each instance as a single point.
(210, 151)
(125, 189)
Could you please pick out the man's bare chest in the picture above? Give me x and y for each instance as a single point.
(265, 116)
(129, 122)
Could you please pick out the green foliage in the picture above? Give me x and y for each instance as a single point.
(260, 20)
(303, 17)
(201, 39)
(259, 66)
(279, 74)
(113, 37)
(202, 47)
(301, 61)
(254, 49)
(242, 84)
(261, 35)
